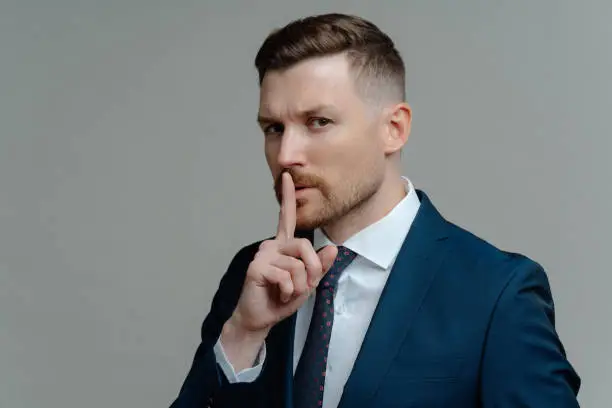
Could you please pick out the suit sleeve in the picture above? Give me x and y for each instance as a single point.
(205, 384)
(524, 363)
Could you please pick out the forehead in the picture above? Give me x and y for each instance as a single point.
(318, 81)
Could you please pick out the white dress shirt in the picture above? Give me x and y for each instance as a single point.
(356, 297)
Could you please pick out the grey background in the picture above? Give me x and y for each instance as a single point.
(131, 170)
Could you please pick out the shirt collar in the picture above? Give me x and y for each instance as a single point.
(381, 241)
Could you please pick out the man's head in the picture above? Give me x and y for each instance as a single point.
(333, 113)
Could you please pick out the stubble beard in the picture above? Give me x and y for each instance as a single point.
(332, 205)
(329, 204)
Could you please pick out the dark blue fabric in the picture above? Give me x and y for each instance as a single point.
(459, 324)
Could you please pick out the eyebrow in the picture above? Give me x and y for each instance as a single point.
(316, 110)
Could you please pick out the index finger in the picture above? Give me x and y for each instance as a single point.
(287, 217)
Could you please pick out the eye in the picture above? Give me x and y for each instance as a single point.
(319, 123)
(274, 129)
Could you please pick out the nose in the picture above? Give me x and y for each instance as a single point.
(291, 152)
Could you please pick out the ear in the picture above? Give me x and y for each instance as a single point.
(398, 120)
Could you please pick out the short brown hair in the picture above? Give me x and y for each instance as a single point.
(372, 54)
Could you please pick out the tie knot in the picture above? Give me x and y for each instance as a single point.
(343, 259)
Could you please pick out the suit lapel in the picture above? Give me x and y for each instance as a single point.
(414, 270)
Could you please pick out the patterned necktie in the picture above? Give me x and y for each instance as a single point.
(309, 378)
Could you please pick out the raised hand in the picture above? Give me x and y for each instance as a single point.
(282, 275)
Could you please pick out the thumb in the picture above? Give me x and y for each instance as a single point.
(327, 256)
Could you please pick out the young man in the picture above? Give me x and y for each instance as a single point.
(366, 296)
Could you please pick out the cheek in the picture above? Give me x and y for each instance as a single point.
(345, 164)
(271, 154)
(355, 153)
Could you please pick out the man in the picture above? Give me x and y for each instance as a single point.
(366, 296)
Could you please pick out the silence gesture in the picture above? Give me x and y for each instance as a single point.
(282, 275)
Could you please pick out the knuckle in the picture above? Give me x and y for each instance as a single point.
(285, 277)
(304, 242)
(265, 245)
(297, 264)
(254, 266)
(268, 247)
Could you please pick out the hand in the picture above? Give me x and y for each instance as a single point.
(282, 275)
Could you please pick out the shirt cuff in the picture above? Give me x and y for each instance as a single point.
(248, 374)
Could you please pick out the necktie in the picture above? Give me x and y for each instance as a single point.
(309, 378)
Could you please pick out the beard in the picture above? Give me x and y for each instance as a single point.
(329, 204)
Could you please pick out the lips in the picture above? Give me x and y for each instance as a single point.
(301, 192)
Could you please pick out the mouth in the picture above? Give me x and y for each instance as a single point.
(301, 191)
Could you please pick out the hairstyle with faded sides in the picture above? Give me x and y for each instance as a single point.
(377, 65)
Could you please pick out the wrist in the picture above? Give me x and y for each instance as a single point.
(241, 346)
(235, 332)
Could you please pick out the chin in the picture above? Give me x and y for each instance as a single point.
(308, 222)
(310, 217)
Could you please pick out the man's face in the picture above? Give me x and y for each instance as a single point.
(319, 128)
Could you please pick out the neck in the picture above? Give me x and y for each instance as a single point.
(390, 193)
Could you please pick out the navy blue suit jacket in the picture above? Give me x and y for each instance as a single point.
(459, 324)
